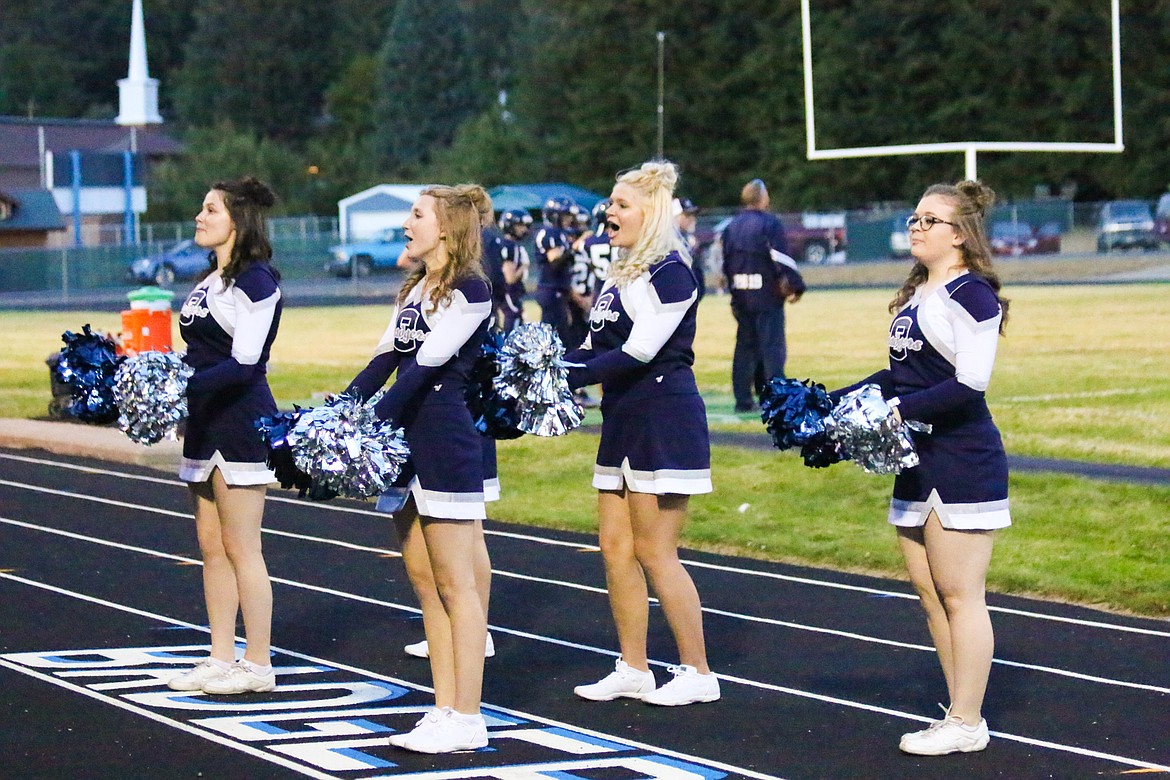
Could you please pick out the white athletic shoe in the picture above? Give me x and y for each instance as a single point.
(687, 687)
(422, 649)
(428, 721)
(204, 671)
(623, 681)
(444, 731)
(243, 677)
(949, 735)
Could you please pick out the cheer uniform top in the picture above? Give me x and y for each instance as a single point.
(229, 332)
(451, 468)
(942, 349)
(640, 349)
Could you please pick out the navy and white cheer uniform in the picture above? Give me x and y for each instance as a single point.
(451, 470)
(942, 349)
(640, 349)
(229, 332)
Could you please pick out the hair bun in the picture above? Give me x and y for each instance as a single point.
(661, 173)
(257, 192)
(981, 196)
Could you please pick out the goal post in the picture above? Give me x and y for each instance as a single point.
(970, 149)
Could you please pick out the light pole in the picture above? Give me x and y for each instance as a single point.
(661, 81)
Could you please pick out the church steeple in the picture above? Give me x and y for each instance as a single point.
(138, 92)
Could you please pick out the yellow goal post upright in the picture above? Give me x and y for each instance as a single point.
(969, 148)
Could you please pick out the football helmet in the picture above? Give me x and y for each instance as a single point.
(557, 208)
(512, 220)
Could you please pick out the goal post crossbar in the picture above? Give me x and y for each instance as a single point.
(968, 148)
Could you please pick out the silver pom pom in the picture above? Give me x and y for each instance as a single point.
(150, 390)
(343, 447)
(533, 372)
(864, 425)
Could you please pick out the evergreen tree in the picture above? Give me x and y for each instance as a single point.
(253, 63)
(426, 92)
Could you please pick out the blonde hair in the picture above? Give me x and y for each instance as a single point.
(461, 210)
(655, 182)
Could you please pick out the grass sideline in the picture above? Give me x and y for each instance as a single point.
(1081, 375)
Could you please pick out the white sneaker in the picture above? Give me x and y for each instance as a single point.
(428, 721)
(243, 677)
(624, 680)
(949, 735)
(204, 671)
(687, 687)
(423, 650)
(444, 731)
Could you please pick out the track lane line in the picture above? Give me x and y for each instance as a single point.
(557, 583)
(592, 548)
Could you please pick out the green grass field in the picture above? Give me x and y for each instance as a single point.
(1081, 375)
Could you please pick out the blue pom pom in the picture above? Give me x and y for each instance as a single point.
(494, 415)
(793, 411)
(86, 365)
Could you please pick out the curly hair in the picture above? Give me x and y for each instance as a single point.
(655, 182)
(971, 201)
(462, 211)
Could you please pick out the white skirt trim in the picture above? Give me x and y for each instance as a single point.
(981, 516)
(491, 489)
(233, 473)
(448, 506)
(685, 482)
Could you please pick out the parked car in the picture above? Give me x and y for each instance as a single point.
(900, 236)
(1012, 238)
(184, 260)
(1126, 224)
(362, 258)
(812, 238)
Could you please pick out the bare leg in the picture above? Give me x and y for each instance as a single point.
(241, 511)
(219, 578)
(958, 562)
(422, 580)
(629, 598)
(657, 522)
(452, 549)
(913, 547)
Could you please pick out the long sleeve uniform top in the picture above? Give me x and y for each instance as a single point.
(433, 350)
(942, 351)
(641, 336)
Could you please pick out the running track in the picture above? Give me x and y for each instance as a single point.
(821, 672)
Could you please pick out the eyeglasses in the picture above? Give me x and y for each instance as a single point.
(926, 223)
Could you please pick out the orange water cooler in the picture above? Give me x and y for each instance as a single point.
(146, 325)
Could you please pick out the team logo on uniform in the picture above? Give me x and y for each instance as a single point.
(901, 343)
(602, 311)
(407, 331)
(194, 306)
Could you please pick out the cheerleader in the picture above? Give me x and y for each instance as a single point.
(432, 342)
(654, 452)
(948, 316)
(229, 322)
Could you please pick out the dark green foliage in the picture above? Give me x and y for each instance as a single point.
(257, 64)
(379, 90)
(424, 85)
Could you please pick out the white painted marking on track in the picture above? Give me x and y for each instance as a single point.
(344, 667)
(557, 542)
(552, 640)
